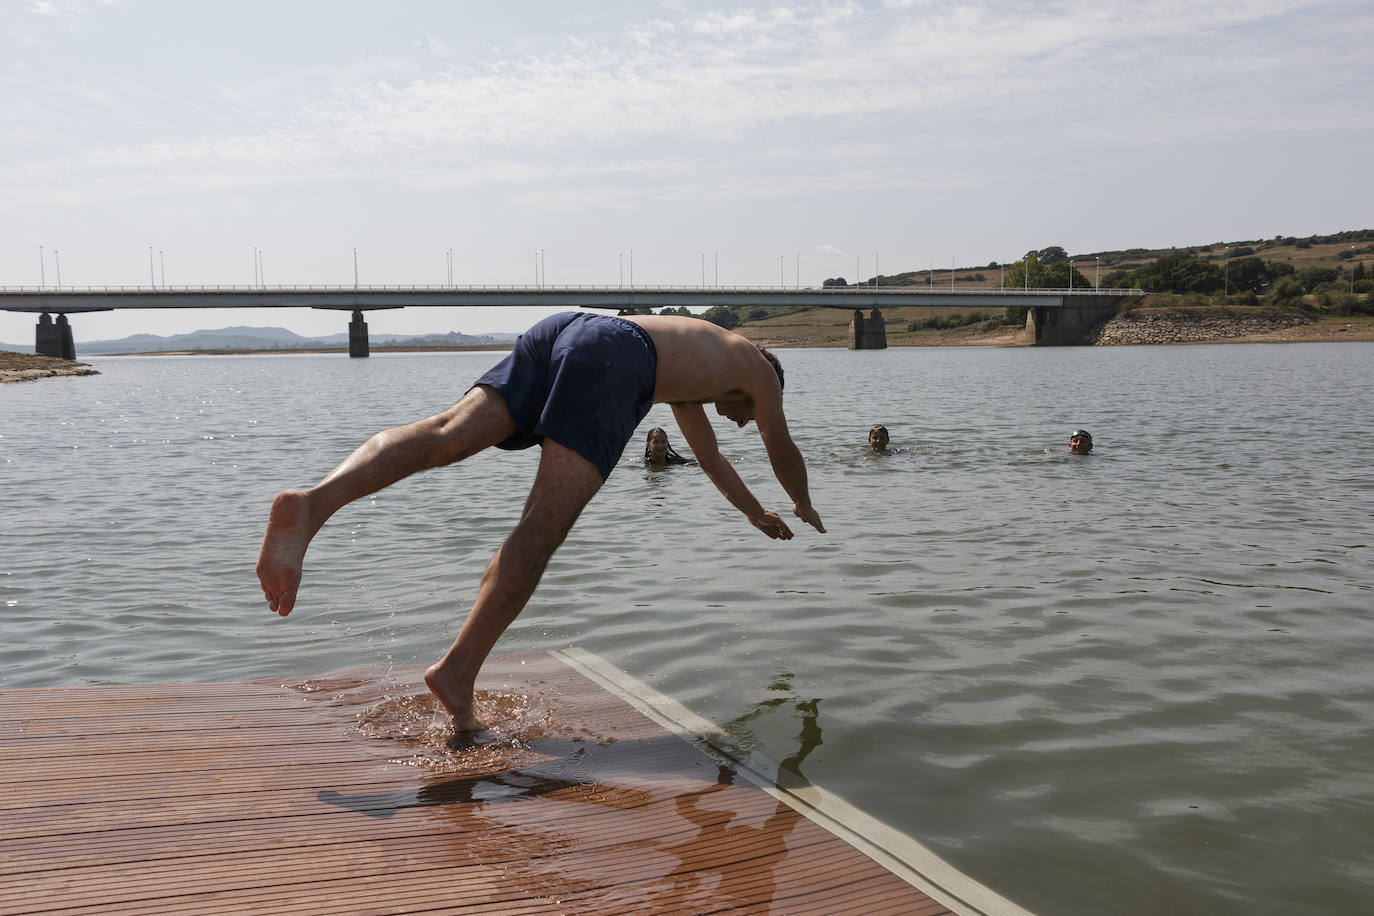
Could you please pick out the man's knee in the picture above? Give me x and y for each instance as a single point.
(479, 420)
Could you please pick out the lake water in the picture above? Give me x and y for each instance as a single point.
(1137, 682)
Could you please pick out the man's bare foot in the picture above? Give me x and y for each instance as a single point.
(283, 550)
(454, 696)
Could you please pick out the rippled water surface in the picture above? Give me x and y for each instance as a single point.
(1137, 682)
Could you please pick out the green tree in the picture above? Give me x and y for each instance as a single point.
(1179, 272)
(1116, 279)
(1246, 275)
(1312, 277)
(1054, 275)
(1276, 269)
(722, 315)
(1286, 291)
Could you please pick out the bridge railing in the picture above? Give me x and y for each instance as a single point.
(487, 288)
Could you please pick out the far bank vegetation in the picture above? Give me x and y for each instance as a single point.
(1316, 276)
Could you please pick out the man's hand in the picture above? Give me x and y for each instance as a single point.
(771, 524)
(810, 516)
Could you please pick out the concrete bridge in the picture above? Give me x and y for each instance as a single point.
(1055, 316)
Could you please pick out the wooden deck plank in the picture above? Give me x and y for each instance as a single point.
(328, 795)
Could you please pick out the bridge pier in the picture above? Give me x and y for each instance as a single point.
(868, 333)
(54, 339)
(1070, 323)
(357, 335)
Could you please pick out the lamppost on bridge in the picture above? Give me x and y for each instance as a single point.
(152, 277)
(1352, 273)
(1070, 275)
(162, 263)
(1097, 276)
(355, 269)
(703, 270)
(1226, 270)
(42, 269)
(57, 261)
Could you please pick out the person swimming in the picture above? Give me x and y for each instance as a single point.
(659, 453)
(1080, 442)
(878, 438)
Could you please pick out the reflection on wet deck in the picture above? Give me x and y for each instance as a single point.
(347, 794)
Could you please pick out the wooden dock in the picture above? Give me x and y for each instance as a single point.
(340, 795)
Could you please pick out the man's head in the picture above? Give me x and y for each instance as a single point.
(736, 405)
(773, 361)
(878, 438)
(1081, 442)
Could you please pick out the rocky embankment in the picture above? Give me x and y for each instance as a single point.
(1167, 326)
(25, 367)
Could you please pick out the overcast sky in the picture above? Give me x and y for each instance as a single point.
(765, 142)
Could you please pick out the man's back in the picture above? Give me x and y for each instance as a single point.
(699, 362)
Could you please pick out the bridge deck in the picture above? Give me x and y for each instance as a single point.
(331, 795)
(70, 300)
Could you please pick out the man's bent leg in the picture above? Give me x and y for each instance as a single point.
(565, 483)
(478, 420)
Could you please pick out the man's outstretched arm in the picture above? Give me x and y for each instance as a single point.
(788, 465)
(696, 429)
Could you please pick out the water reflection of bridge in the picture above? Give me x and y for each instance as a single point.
(1055, 315)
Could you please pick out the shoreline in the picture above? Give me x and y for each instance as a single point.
(1140, 327)
(26, 367)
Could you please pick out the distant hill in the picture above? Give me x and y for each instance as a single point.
(244, 338)
(1340, 248)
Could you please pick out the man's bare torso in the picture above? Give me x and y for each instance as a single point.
(699, 362)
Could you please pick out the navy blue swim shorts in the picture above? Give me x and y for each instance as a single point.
(583, 380)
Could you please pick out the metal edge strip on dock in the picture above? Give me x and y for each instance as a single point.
(903, 856)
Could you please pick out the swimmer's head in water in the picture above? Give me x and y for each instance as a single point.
(656, 445)
(1080, 442)
(658, 450)
(877, 437)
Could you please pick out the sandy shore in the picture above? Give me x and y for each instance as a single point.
(1145, 326)
(25, 367)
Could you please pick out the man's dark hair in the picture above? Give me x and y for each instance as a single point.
(773, 361)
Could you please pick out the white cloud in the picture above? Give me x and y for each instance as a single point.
(738, 103)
